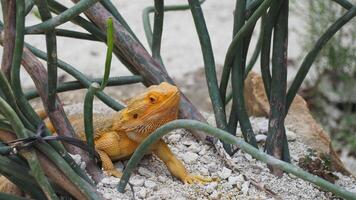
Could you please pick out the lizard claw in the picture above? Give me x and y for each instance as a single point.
(190, 179)
(114, 172)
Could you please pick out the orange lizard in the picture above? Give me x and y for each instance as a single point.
(118, 135)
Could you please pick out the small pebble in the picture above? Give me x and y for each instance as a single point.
(261, 138)
(174, 138)
(245, 187)
(150, 184)
(211, 187)
(215, 195)
(145, 172)
(225, 173)
(189, 157)
(142, 193)
(137, 181)
(290, 136)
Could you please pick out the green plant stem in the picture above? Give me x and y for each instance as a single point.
(228, 138)
(30, 156)
(238, 38)
(52, 61)
(313, 53)
(276, 143)
(266, 45)
(80, 77)
(115, 13)
(62, 17)
(344, 3)
(88, 115)
(157, 31)
(94, 87)
(75, 85)
(237, 77)
(28, 6)
(11, 197)
(256, 51)
(209, 64)
(252, 61)
(11, 99)
(71, 34)
(20, 176)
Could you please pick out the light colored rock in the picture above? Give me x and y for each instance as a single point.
(195, 148)
(248, 157)
(215, 195)
(245, 187)
(233, 180)
(142, 193)
(137, 181)
(211, 187)
(150, 184)
(190, 157)
(290, 135)
(107, 196)
(145, 172)
(204, 171)
(261, 138)
(225, 173)
(174, 138)
(162, 179)
(212, 167)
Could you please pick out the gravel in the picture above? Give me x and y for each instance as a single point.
(152, 180)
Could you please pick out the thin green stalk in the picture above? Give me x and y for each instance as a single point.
(266, 45)
(10, 97)
(228, 138)
(313, 53)
(276, 143)
(238, 38)
(52, 63)
(16, 64)
(10, 196)
(344, 3)
(91, 28)
(63, 17)
(71, 34)
(80, 77)
(251, 7)
(95, 87)
(115, 13)
(28, 6)
(75, 85)
(20, 176)
(30, 156)
(257, 49)
(237, 77)
(146, 18)
(88, 115)
(252, 61)
(209, 64)
(157, 31)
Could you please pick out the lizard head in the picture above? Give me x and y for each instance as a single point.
(146, 112)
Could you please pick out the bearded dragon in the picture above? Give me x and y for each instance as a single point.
(118, 135)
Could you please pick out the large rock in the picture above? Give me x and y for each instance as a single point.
(299, 119)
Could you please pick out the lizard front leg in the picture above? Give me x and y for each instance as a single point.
(108, 145)
(175, 166)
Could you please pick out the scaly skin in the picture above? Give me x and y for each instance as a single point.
(118, 135)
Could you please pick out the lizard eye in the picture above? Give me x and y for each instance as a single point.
(153, 99)
(135, 116)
